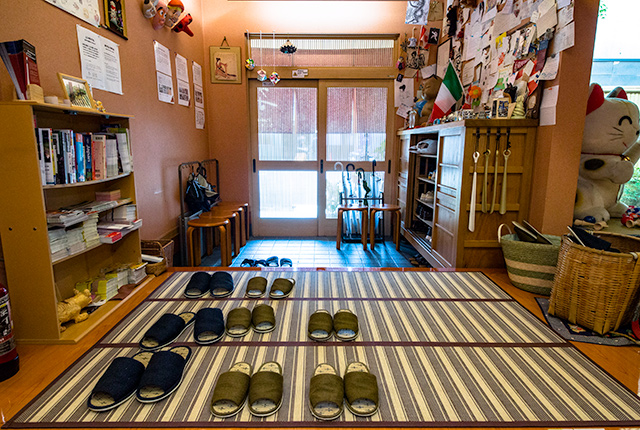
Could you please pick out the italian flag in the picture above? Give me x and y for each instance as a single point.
(449, 93)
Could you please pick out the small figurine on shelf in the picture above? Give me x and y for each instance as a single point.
(518, 111)
(631, 217)
(69, 309)
(149, 8)
(183, 25)
(99, 106)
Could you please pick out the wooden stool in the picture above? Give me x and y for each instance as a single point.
(363, 215)
(372, 223)
(222, 225)
(234, 230)
(243, 210)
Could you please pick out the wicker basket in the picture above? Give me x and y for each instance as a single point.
(154, 248)
(530, 266)
(596, 289)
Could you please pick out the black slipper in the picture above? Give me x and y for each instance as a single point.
(262, 263)
(163, 374)
(286, 262)
(198, 285)
(221, 284)
(165, 330)
(272, 261)
(247, 262)
(209, 326)
(119, 382)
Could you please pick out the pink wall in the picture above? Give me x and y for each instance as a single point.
(163, 135)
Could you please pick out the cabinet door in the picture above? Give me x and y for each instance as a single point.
(450, 156)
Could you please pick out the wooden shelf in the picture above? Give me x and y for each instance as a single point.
(71, 110)
(428, 204)
(429, 223)
(85, 183)
(424, 179)
(75, 332)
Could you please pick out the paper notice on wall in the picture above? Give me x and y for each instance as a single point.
(548, 106)
(565, 16)
(550, 70)
(163, 60)
(198, 96)
(165, 88)
(403, 111)
(564, 3)
(428, 71)
(564, 38)
(86, 10)
(99, 61)
(467, 73)
(182, 72)
(184, 95)
(199, 118)
(197, 74)
(403, 93)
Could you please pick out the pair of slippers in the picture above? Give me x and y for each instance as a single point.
(237, 386)
(241, 320)
(219, 284)
(328, 391)
(269, 262)
(149, 376)
(321, 327)
(280, 288)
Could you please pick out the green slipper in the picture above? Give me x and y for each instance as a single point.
(361, 390)
(238, 322)
(230, 392)
(345, 324)
(326, 393)
(320, 325)
(256, 287)
(265, 391)
(281, 288)
(263, 319)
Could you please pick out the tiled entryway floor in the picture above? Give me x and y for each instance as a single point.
(320, 252)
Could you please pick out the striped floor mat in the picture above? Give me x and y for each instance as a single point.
(449, 349)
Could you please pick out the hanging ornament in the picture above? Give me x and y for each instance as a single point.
(274, 77)
(249, 64)
(262, 75)
(288, 47)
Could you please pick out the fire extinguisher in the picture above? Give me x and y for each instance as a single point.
(9, 360)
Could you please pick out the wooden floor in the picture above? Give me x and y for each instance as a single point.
(40, 364)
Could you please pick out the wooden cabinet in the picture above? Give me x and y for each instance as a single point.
(439, 229)
(37, 282)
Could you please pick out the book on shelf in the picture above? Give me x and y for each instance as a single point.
(65, 218)
(105, 196)
(80, 162)
(61, 174)
(45, 153)
(98, 151)
(65, 143)
(19, 57)
(137, 272)
(125, 160)
(111, 237)
(87, 143)
(111, 150)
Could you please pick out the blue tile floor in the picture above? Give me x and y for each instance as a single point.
(320, 252)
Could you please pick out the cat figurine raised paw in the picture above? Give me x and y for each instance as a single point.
(610, 148)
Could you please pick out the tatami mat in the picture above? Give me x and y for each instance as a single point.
(448, 349)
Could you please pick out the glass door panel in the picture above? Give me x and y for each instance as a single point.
(284, 121)
(358, 120)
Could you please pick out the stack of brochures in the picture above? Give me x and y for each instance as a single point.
(58, 243)
(125, 214)
(107, 286)
(65, 218)
(75, 240)
(137, 273)
(90, 231)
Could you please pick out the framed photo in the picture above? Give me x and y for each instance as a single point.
(77, 91)
(434, 36)
(225, 64)
(500, 108)
(114, 17)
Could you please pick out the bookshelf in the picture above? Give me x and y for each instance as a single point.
(37, 282)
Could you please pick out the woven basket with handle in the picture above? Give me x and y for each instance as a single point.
(154, 248)
(597, 289)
